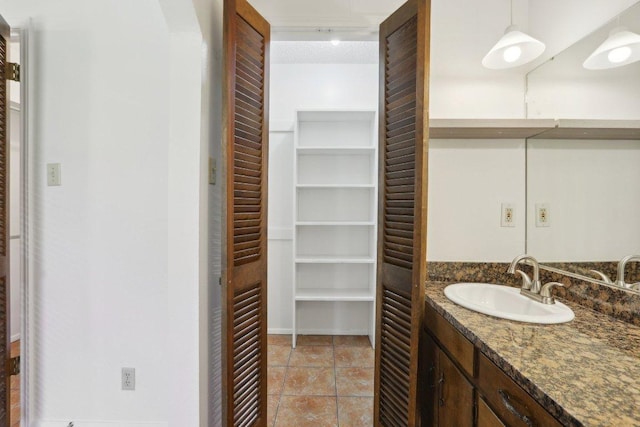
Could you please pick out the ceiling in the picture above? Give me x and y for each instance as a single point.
(462, 31)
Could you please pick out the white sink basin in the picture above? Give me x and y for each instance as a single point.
(507, 303)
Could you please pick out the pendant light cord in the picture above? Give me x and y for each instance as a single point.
(511, 13)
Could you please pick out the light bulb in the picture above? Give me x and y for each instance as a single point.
(619, 54)
(335, 42)
(512, 54)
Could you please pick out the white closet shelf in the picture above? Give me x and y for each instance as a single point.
(335, 223)
(335, 186)
(334, 260)
(334, 150)
(334, 295)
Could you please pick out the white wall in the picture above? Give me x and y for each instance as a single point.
(500, 95)
(209, 14)
(468, 182)
(116, 258)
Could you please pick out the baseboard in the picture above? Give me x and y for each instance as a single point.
(86, 423)
(15, 337)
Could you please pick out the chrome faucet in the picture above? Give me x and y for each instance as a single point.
(532, 288)
(621, 266)
(534, 285)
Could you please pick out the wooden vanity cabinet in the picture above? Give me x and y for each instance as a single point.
(462, 387)
(448, 392)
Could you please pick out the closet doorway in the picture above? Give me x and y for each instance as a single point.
(401, 238)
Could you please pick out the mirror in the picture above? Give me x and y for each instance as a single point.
(583, 200)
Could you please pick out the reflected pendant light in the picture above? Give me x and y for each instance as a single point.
(513, 49)
(622, 47)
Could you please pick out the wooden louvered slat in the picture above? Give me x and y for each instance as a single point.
(396, 328)
(245, 154)
(247, 369)
(402, 212)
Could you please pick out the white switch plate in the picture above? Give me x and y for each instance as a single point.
(53, 174)
(508, 216)
(542, 215)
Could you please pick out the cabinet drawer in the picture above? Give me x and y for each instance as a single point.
(453, 341)
(510, 402)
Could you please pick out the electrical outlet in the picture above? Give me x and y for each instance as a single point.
(128, 378)
(53, 174)
(508, 217)
(542, 215)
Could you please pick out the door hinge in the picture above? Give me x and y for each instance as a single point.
(13, 71)
(13, 366)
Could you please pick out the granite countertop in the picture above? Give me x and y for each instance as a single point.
(585, 372)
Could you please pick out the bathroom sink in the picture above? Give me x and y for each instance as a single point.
(507, 303)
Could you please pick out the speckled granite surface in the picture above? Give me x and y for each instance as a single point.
(621, 304)
(585, 372)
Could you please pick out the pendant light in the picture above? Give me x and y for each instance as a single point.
(622, 47)
(513, 49)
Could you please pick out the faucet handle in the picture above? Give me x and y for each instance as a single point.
(546, 289)
(526, 281)
(603, 276)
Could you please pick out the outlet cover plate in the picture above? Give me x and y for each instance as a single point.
(128, 378)
(508, 216)
(542, 215)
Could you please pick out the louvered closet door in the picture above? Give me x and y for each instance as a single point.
(402, 220)
(4, 225)
(245, 151)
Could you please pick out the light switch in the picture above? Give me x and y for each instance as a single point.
(53, 174)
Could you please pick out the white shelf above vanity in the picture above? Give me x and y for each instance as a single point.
(534, 128)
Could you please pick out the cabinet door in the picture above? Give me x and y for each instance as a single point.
(455, 399)
(428, 386)
(486, 417)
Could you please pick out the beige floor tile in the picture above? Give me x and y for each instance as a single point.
(354, 381)
(15, 348)
(306, 411)
(352, 340)
(309, 382)
(314, 356)
(14, 393)
(279, 340)
(275, 379)
(303, 340)
(272, 409)
(355, 411)
(357, 357)
(278, 355)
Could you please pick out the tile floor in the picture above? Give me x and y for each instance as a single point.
(14, 393)
(326, 381)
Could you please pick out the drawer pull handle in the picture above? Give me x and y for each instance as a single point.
(441, 386)
(506, 400)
